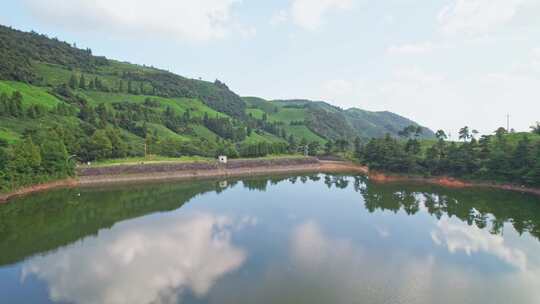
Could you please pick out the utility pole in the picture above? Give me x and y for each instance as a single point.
(508, 123)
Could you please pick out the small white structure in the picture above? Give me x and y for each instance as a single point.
(222, 159)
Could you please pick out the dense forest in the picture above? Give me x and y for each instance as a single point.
(505, 157)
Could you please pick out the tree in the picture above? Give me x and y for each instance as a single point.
(130, 87)
(98, 84)
(536, 129)
(533, 176)
(342, 144)
(31, 112)
(26, 162)
(99, 145)
(500, 132)
(292, 144)
(54, 156)
(464, 133)
(412, 146)
(4, 104)
(357, 148)
(82, 82)
(521, 159)
(418, 131)
(15, 104)
(328, 147)
(313, 148)
(441, 135)
(410, 130)
(88, 114)
(73, 83)
(119, 147)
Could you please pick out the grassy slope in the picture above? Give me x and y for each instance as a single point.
(11, 129)
(258, 106)
(150, 159)
(31, 95)
(264, 137)
(180, 105)
(9, 136)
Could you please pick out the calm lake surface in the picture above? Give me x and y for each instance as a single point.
(303, 239)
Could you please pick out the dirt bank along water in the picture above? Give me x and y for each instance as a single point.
(114, 174)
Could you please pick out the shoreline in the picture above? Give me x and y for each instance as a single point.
(130, 174)
(449, 182)
(140, 173)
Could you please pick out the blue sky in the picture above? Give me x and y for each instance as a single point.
(445, 63)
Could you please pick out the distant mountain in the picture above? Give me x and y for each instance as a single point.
(331, 122)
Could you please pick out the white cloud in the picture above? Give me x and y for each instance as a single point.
(477, 16)
(359, 272)
(200, 20)
(412, 49)
(143, 262)
(309, 14)
(471, 240)
(389, 19)
(279, 18)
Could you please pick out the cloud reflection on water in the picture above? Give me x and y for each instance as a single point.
(471, 239)
(143, 261)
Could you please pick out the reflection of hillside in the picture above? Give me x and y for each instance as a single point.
(482, 208)
(47, 221)
(44, 222)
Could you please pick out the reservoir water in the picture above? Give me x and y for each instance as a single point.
(283, 239)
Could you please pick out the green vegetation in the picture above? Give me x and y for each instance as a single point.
(60, 104)
(319, 121)
(502, 157)
(151, 159)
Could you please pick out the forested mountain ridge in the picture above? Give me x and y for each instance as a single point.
(43, 61)
(47, 62)
(328, 121)
(60, 104)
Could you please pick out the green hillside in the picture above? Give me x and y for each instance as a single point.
(60, 104)
(318, 120)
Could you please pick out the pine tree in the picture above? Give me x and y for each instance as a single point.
(16, 107)
(27, 158)
(4, 104)
(98, 84)
(99, 145)
(73, 83)
(82, 82)
(31, 112)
